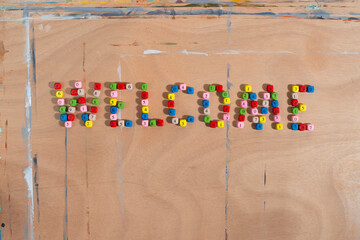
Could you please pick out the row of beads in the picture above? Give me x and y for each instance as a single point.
(226, 108)
(116, 106)
(296, 107)
(145, 109)
(171, 104)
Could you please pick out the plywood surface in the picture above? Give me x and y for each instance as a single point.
(172, 182)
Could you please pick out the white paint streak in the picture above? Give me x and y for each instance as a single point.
(252, 51)
(193, 53)
(150, 52)
(80, 16)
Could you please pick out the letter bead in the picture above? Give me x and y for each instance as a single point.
(295, 88)
(310, 89)
(113, 102)
(205, 103)
(63, 117)
(121, 123)
(265, 103)
(270, 88)
(93, 109)
(302, 127)
(182, 87)
(145, 116)
(241, 118)
(120, 105)
(206, 95)
(255, 119)
(220, 124)
(226, 100)
(113, 109)
(226, 117)
(145, 123)
(252, 96)
(207, 111)
(244, 103)
(294, 95)
(276, 110)
(57, 86)
(85, 117)
(97, 86)
(302, 107)
(145, 95)
(310, 127)
(294, 118)
(264, 110)
(302, 88)
(114, 94)
(295, 110)
(145, 109)
(113, 117)
(121, 86)
(212, 88)
(171, 104)
(95, 101)
(96, 93)
(144, 87)
(225, 94)
(294, 102)
(152, 123)
(182, 123)
(171, 96)
(61, 102)
(59, 94)
(253, 104)
(145, 102)
(213, 124)
(74, 92)
(81, 100)
(190, 90)
(81, 92)
(113, 86)
(294, 126)
(88, 124)
(266, 96)
(254, 111)
(190, 119)
(78, 84)
(71, 110)
(129, 123)
(68, 124)
(274, 103)
(274, 95)
(279, 126)
(245, 96)
(113, 124)
(242, 111)
(226, 108)
(70, 117)
(92, 117)
(207, 119)
(277, 118)
(247, 88)
(174, 89)
(219, 88)
(128, 86)
(262, 119)
(175, 121)
(62, 109)
(240, 124)
(83, 108)
(172, 112)
(259, 126)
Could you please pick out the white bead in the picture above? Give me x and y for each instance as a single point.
(265, 103)
(92, 117)
(207, 111)
(71, 109)
(129, 86)
(294, 95)
(175, 120)
(81, 92)
(255, 119)
(97, 93)
(121, 123)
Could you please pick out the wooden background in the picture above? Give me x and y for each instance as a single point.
(178, 183)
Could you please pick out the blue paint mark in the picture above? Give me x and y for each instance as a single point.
(36, 183)
(32, 50)
(228, 86)
(265, 176)
(65, 222)
(229, 21)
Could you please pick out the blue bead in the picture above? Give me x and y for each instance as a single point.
(113, 109)
(205, 103)
(172, 112)
(310, 89)
(128, 123)
(294, 126)
(63, 117)
(190, 119)
(145, 116)
(85, 117)
(190, 90)
(264, 110)
(259, 126)
(174, 89)
(252, 96)
(274, 103)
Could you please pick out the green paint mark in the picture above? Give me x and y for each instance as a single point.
(170, 43)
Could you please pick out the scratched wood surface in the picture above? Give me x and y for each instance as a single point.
(172, 182)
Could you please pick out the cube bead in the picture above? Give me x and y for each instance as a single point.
(226, 108)
(266, 96)
(310, 127)
(207, 111)
(247, 88)
(242, 111)
(114, 94)
(244, 103)
(294, 126)
(262, 119)
(121, 86)
(294, 118)
(85, 117)
(62, 109)
(68, 124)
(113, 109)
(227, 100)
(97, 86)
(219, 88)
(302, 88)
(172, 112)
(207, 119)
(61, 102)
(88, 124)
(175, 121)
(71, 109)
(113, 124)
(144, 95)
(264, 110)
(279, 126)
(276, 110)
(120, 105)
(190, 90)
(220, 124)
(93, 109)
(294, 95)
(59, 94)
(145, 109)
(63, 117)
(274, 103)
(92, 117)
(226, 117)
(274, 95)
(254, 111)
(294, 102)
(171, 96)
(182, 86)
(270, 88)
(113, 102)
(81, 92)
(96, 93)
(206, 95)
(113, 117)
(213, 124)
(245, 96)
(174, 89)
(265, 103)
(205, 103)
(255, 119)
(253, 104)
(171, 104)
(144, 86)
(145, 123)
(302, 127)
(144, 102)
(70, 117)
(128, 86)
(95, 101)
(83, 108)
(302, 107)
(78, 84)
(128, 123)
(241, 118)
(190, 119)
(310, 89)
(295, 88)
(57, 86)
(113, 86)
(81, 100)
(225, 94)
(144, 116)
(240, 124)
(182, 123)
(74, 92)
(252, 96)
(277, 118)
(152, 123)
(212, 88)
(259, 126)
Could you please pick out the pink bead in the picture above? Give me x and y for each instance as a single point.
(244, 103)
(206, 95)
(226, 117)
(145, 123)
(83, 108)
(266, 96)
(277, 118)
(240, 124)
(68, 124)
(254, 111)
(78, 84)
(61, 102)
(310, 127)
(294, 118)
(182, 86)
(113, 117)
(145, 102)
(114, 94)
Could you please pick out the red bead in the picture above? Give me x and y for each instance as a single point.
(270, 88)
(171, 104)
(74, 92)
(121, 86)
(144, 95)
(294, 102)
(81, 100)
(160, 122)
(57, 85)
(219, 88)
(302, 88)
(71, 117)
(276, 110)
(93, 109)
(97, 86)
(213, 124)
(241, 118)
(113, 123)
(302, 127)
(253, 104)
(226, 108)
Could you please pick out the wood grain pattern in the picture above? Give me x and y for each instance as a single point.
(172, 182)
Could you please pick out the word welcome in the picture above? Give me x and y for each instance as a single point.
(257, 106)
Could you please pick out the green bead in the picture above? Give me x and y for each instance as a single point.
(152, 123)
(242, 111)
(62, 109)
(225, 94)
(245, 96)
(73, 102)
(95, 101)
(144, 86)
(212, 88)
(295, 110)
(274, 95)
(113, 86)
(207, 119)
(121, 105)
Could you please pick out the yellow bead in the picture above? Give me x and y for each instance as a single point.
(183, 123)
(113, 101)
(247, 88)
(295, 88)
(59, 94)
(220, 124)
(145, 109)
(302, 107)
(227, 100)
(88, 124)
(171, 96)
(262, 119)
(279, 126)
